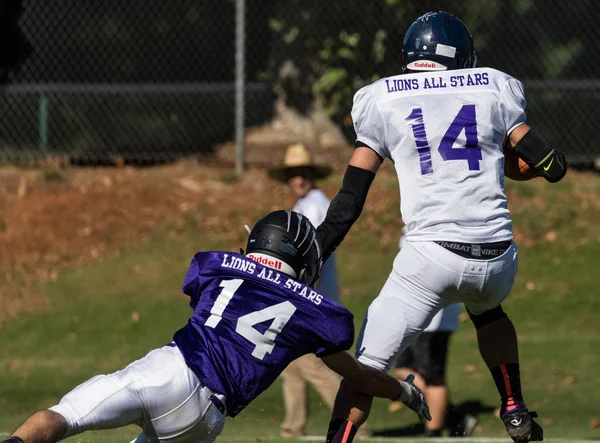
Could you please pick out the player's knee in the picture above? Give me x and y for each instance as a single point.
(56, 422)
(487, 317)
(44, 425)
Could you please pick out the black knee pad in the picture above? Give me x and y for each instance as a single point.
(487, 317)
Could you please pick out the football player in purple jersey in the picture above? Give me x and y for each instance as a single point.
(252, 315)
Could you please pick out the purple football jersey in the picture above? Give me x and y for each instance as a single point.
(250, 322)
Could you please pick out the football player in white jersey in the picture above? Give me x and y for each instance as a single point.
(445, 125)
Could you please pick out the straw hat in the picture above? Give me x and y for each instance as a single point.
(297, 156)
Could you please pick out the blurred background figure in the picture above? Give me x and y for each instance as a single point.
(301, 173)
(427, 359)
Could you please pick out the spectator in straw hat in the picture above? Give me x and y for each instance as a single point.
(300, 172)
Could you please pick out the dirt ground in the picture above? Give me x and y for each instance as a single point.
(52, 218)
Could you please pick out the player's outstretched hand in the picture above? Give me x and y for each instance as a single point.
(416, 400)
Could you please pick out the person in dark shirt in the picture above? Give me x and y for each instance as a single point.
(252, 315)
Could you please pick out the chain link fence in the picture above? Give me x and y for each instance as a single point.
(148, 81)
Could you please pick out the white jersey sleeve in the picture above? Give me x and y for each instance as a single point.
(368, 122)
(512, 104)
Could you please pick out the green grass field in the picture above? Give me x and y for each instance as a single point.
(105, 314)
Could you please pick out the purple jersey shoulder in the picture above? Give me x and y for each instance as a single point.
(250, 321)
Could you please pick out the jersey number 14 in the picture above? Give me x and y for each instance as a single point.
(263, 343)
(465, 119)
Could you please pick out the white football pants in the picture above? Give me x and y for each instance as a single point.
(158, 392)
(425, 278)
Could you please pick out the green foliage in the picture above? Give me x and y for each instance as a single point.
(338, 47)
(334, 51)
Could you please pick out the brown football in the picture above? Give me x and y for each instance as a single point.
(515, 167)
(523, 167)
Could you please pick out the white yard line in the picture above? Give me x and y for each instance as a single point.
(448, 439)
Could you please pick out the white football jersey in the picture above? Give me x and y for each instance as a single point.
(444, 131)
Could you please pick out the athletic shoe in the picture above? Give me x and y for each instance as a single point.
(521, 427)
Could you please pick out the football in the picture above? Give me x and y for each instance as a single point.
(515, 167)
(524, 167)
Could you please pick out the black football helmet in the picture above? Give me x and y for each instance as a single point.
(438, 41)
(291, 238)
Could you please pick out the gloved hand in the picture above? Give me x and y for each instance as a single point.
(414, 399)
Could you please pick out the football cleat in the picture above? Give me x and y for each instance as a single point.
(521, 427)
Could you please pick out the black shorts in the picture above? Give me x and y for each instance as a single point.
(428, 356)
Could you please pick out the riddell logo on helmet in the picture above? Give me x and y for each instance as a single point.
(270, 262)
(426, 65)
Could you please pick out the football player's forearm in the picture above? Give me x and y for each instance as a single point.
(332, 231)
(378, 384)
(537, 152)
(363, 378)
(344, 209)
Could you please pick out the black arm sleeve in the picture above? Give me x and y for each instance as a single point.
(537, 152)
(344, 209)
